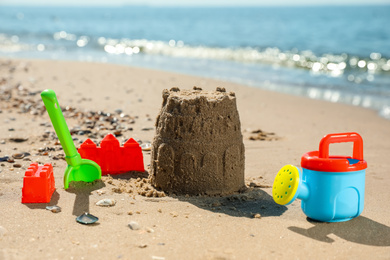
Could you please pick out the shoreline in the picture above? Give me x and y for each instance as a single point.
(179, 226)
(310, 91)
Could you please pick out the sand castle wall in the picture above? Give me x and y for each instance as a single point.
(198, 147)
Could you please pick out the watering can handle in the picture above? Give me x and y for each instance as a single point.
(342, 138)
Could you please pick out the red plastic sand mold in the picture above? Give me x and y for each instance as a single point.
(38, 184)
(111, 157)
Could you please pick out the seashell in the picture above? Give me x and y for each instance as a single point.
(54, 209)
(20, 155)
(146, 146)
(87, 218)
(106, 203)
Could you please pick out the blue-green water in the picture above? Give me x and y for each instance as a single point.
(340, 54)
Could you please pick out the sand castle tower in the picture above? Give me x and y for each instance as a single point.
(198, 146)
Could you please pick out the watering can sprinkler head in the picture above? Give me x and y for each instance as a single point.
(288, 186)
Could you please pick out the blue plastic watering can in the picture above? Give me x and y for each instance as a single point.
(331, 188)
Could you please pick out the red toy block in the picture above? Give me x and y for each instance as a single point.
(38, 184)
(111, 157)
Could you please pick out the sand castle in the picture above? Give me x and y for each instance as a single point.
(198, 147)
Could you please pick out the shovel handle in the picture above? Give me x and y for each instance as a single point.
(342, 138)
(57, 119)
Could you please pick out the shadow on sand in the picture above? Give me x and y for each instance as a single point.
(360, 230)
(83, 191)
(54, 200)
(246, 204)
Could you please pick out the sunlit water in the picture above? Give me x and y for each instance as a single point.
(340, 54)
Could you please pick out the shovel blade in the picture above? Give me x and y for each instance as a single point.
(87, 171)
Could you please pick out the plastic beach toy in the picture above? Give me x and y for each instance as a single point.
(38, 184)
(111, 157)
(78, 169)
(331, 188)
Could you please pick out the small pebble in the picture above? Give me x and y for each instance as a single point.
(134, 225)
(17, 165)
(117, 133)
(100, 192)
(106, 203)
(257, 215)
(18, 139)
(174, 214)
(54, 209)
(143, 246)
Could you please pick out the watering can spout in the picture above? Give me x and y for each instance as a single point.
(303, 191)
(288, 186)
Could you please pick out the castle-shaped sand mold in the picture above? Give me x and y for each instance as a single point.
(198, 147)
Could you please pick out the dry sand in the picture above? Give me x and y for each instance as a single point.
(241, 226)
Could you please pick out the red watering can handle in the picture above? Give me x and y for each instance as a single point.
(342, 138)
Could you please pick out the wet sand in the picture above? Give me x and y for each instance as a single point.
(246, 225)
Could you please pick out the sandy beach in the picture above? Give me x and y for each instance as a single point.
(246, 225)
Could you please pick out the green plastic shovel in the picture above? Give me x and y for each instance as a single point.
(78, 169)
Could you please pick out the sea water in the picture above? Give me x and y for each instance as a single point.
(335, 53)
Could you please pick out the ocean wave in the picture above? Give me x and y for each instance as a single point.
(332, 64)
(364, 80)
(11, 44)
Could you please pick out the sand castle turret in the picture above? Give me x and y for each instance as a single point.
(198, 147)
